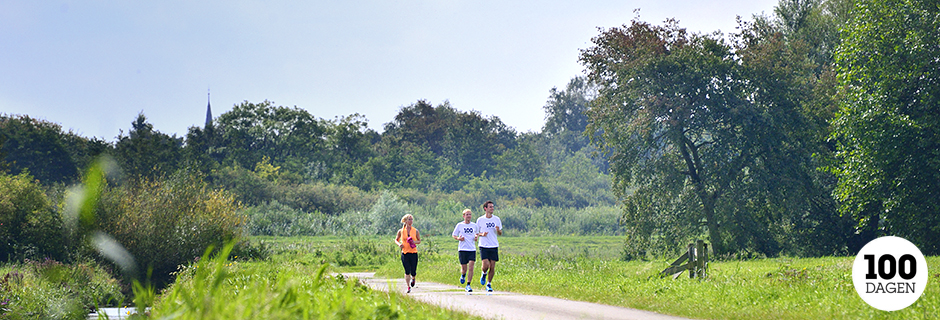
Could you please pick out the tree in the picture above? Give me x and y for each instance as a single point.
(349, 141)
(37, 147)
(888, 126)
(4, 166)
(473, 142)
(290, 137)
(565, 109)
(421, 123)
(704, 137)
(663, 106)
(465, 141)
(145, 152)
(520, 163)
(202, 149)
(787, 64)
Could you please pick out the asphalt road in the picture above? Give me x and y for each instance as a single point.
(506, 305)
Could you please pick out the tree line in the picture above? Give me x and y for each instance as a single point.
(260, 149)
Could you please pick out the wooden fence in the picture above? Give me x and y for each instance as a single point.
(697, 265)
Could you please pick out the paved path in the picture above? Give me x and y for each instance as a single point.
(113, 313)
(507, 305)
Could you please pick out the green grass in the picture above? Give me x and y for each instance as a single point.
(51, 290)
(582, 268)
(292, 284)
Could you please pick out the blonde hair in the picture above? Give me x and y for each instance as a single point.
(466, 210)
(406, 216)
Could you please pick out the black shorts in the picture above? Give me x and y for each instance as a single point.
(491, 254)
(466, 256)
(410, 262)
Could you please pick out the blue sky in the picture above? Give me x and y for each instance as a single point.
(92, 66)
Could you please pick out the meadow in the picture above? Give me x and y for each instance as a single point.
(587, 268)
(288, 285)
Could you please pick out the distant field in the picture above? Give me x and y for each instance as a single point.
(589, 269)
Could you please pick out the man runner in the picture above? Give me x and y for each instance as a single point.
(490, 228)
(466, 233)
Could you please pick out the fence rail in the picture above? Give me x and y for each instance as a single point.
(697, 265)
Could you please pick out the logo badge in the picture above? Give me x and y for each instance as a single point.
(890, 273)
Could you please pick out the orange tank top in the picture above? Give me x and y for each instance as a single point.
(403, 238)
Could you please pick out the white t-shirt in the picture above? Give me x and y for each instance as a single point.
(468, 231)
(489, 225)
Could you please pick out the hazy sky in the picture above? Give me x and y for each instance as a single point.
(92, 66)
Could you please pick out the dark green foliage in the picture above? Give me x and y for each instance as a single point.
(148, 153)
(30, 227)
(37, 147)
(350, 146)
(290, 137)
(250, 188)
(888, 126)
(521, 163)
(468, 141)
(703, 133)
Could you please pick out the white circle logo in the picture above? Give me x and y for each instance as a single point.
(890, 273)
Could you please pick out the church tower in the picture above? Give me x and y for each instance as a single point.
(208, 111)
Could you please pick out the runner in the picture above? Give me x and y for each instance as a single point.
(408, 239)
(466, 233)
(490, 227)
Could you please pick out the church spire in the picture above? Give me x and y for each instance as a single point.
(209, 110)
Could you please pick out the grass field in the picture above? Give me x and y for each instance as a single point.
(587, 269)
(293, 284)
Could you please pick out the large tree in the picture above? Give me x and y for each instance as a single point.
(290, 137)
(888, 126)
(660, 111)
(467, 141)
(704, 136)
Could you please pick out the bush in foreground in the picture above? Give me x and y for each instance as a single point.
(48, 289)
(29, 226)
(165, 223)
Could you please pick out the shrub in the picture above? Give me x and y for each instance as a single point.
(276, 219)
(29, 226)
(48, 289)
(326, 198)
(386, 213)
(167, 222)
(249, 187)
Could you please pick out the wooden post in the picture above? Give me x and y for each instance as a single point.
(700, 259)
(697, 265)
(703, 259)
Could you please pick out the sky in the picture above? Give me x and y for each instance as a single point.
(93, 66)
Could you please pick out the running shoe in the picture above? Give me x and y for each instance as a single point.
(469, 289)
(412, 282)
(483, 279)
(409, 290)
(463, 278)
(489, 288)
